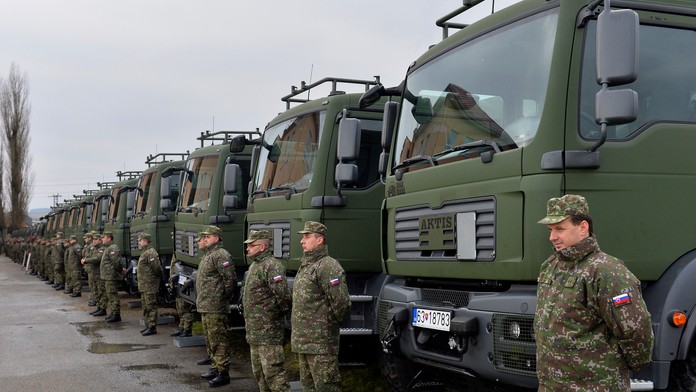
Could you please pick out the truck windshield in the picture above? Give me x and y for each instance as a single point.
(488, 93)
(287, 157)
(197, 184)
(114, 207)
(147, 184)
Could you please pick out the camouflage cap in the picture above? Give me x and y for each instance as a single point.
(87, 235)
(73, 237)
(96, 236)
(561, 208)
(258, 235)
(59, 234)
(145, 236)
(211, 230)
(313, 227)
(107, 233)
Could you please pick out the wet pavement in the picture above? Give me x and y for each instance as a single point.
(49, 342)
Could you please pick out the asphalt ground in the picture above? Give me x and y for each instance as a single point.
(49, 342)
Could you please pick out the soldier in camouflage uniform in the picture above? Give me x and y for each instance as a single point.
(47, 263)
(93, 262)
(592, 325)
(183, 309)
(149, 277)
(321, 303)
(57, 253)
(73, 253)
(87, 252)
(111, 272)
(68, 265)
(266, 301)
(214, 290)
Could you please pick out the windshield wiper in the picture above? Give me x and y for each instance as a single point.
(471, 145)
(260, 192)
(286, 187)
(414, 160)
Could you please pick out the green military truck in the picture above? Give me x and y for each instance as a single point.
(213, 192)
(300, 175)
(500, 117)
(100, 207)
(156, 196)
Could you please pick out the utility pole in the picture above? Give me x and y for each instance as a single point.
(56, 197)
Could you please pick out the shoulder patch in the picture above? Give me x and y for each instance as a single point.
(621, 299)
(334, 282)
(277, 278)
(226, 264)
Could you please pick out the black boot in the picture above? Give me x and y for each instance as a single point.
(74, 295)
(223, 378)
(98, 312)
(149, 331)
(92, 303)
(60, 287)
(114, 318)
(49, 282)
(178, 332)
(210, 374)
(144, 329)
(186, 333)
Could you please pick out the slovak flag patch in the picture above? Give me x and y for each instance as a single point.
(621, 300)
(226, 264)
(277, 278)
(334, 282)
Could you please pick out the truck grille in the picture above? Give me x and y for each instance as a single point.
(184, 244)
(408, 232)
(514, 348)
(453, 298)
(276, 227)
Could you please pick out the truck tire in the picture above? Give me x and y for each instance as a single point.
(682, 374)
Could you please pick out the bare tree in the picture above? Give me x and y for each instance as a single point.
(2, 189)
(15, 110)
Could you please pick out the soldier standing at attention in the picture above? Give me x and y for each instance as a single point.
(87, 252)
(183, 309)
(321, 303)
(149, 277)
(57, 260)
(214, 290)
(93, 262)
(266, 300)
(591, 325)
(72, 259)
(67, 265)
(111, 273)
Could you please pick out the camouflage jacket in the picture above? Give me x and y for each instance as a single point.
(215, 281)
(73, 254)
(93, 258)
(591, 323)
(149, 270)
(110, 268)
(266, 300)
(320, 303)
(57, 252)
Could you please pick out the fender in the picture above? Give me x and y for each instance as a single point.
(674, 290)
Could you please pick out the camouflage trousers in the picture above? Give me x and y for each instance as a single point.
(267, 363)
(185, 314)
(216, 327)
(48, 270)
(58, 271)
(68, 276)
(92, 282)
(112, 299)
(319, 372)
(75, 279)
(149, 302)
(100, 293)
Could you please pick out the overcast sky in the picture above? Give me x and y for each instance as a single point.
(114, 81)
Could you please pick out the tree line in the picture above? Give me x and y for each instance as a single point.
(16, 176)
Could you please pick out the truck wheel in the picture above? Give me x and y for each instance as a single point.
(397, 370)
(682, 374)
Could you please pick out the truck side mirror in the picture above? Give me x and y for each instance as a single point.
(232, 174)
(165, 187)
(348, 149)
(617, 47)
(388, 123)
(237, 144)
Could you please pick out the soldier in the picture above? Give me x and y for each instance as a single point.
(68, 266)
(111, 272)
(321, 303)
(266, 300)
(591, 325)
(93, 262)
(57, 253)
(47, 262)
(149, 277)
(183, 309)
(214, 290)
(73, 254)
(87, 252)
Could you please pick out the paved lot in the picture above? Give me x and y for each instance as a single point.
(49, 342)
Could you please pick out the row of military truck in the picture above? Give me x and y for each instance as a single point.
(431, 189)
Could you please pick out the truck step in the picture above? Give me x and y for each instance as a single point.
(356, 331)
(641, 385)
(361, 298)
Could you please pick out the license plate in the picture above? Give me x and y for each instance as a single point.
(431, 319)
